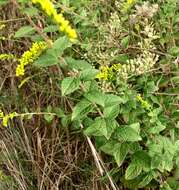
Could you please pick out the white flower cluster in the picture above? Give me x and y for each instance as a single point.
(145, 61)
(144, 11)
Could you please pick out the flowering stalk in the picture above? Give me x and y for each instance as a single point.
(30, 56)
(64, 26)
(6, 117)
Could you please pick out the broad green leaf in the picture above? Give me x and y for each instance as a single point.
(24, 31)
(147, 178)
(51, 28)
(69, 85)
(174, 51)
(77, 64)
(128, 133)
(96, 97)
(111, 100)
(143, 159)
(47, 59)
(121, 153)
(98, 128)
(82, 108)
(111, 125)
(110, 147)
(111, 112)
(30, 11)
(61, 44)
(132, 171)
(88, 74)
(157, 128)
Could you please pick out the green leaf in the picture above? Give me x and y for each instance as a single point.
(111, 111)
(110, 147)
(111, 125)
(147, 178)
(142, 158)
(61, 44)
(132, 171)
(24, 31)
(96, 97)
(47, 59)
(49, 117)
(69, 85)
(88, 74)
(101, 127)
(128, 133)
(174, 51)
(77, 64)
(51, 28)
(98, 128)
(121, 153)
(111, 100)
(30, 11)
(125, 41)
(175, 79)
(82, 108)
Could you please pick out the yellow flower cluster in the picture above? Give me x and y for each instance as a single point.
(5, 56)
(127, 5)
(6, 118)
(30, 56)
(144, 103)
(106, 72)
(64, 25)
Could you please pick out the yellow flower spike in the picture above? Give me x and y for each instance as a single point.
(30, 56)
(64, 25)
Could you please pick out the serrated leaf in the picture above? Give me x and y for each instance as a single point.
(96, 97)
(81, 109)
(61, 44)
(98, 128)
(143, 159)
(111, 111)
(132, 171)
(88, 74)
(146, 179)
(69, 85)
(24, 31)
(128, 133)
(77, 64)
(110, 147)
(47, 59)
(111, 100)
(121, 153)
(111, 125)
